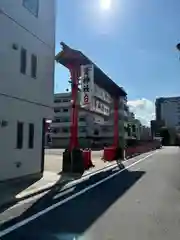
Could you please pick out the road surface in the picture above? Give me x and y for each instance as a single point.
(141, 201)
(53, 159)
(59, 152)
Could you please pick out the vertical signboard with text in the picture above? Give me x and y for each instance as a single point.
(87, 85)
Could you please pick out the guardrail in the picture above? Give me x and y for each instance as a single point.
(112, 153)
(137, 150)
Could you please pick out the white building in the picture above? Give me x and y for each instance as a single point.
(168, 110)
(95, 126)
(27, 48)
(135, 130)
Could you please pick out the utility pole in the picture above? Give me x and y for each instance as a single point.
(178, 46)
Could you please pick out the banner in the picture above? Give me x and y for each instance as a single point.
(102, 108)
(87, 84)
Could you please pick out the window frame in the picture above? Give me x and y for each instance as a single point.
(82, 119)
(65, 130)
(31, 136)
(57, 100)
(23, 61)
(34, 62)
(25, 5)
(83, 130)
(19, 135)
(65, 100)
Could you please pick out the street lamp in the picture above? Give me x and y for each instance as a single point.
(178, 46)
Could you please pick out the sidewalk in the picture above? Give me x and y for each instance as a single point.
(53, 177)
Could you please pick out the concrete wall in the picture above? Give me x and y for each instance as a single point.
(13, 82)
(42, 26)
(30, 159)
(23, 98)
(170, 112)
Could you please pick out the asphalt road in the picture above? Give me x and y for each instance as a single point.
(53, 159)
(141, 201)
(59, 152)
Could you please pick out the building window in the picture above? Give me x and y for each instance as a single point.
(23, 61)
(129, 130)
(82, 130)
(66, 119)
(19, 140)
(96, 132)
(57, 120)
(32, 6)
(55, 130)
(65, 130)
(31, 136)
(57, 110)
(106, 129)
(57, 100)
(65, 110)
(133, 128)
(82, 119)
(66, 100)
(33, 66)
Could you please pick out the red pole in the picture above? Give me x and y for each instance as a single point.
(74, 112)
(116, 123)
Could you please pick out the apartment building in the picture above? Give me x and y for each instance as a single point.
(96, 125)
(135, 129)
(156, 126)
(27, 48)
(168, 111)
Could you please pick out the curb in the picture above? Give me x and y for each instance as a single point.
(11, 202)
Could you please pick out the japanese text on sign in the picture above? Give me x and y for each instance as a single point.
(87, 76)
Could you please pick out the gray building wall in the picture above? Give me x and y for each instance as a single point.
(168, 110)
(23, 98)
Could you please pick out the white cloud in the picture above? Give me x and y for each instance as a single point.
(143, 109)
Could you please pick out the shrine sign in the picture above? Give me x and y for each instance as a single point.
(87, 84)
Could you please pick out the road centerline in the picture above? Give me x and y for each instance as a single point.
(58, 204)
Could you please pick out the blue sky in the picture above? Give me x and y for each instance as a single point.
(134, 43)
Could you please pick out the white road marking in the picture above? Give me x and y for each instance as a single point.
(58, 204)
(72, 183)
(64, 193)
(29, 192)
(67, 186)
(26, 201)
(88, 175)
(70, 189)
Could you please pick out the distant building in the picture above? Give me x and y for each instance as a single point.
(27, 49)
(95, 126)
(156, 126)
(136, 130)
(145, 133)
(168, 111)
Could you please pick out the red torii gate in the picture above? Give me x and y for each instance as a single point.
(73, 59)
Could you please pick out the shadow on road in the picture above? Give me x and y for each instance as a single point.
(16, 188)
(77, 215)
(10, 189)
